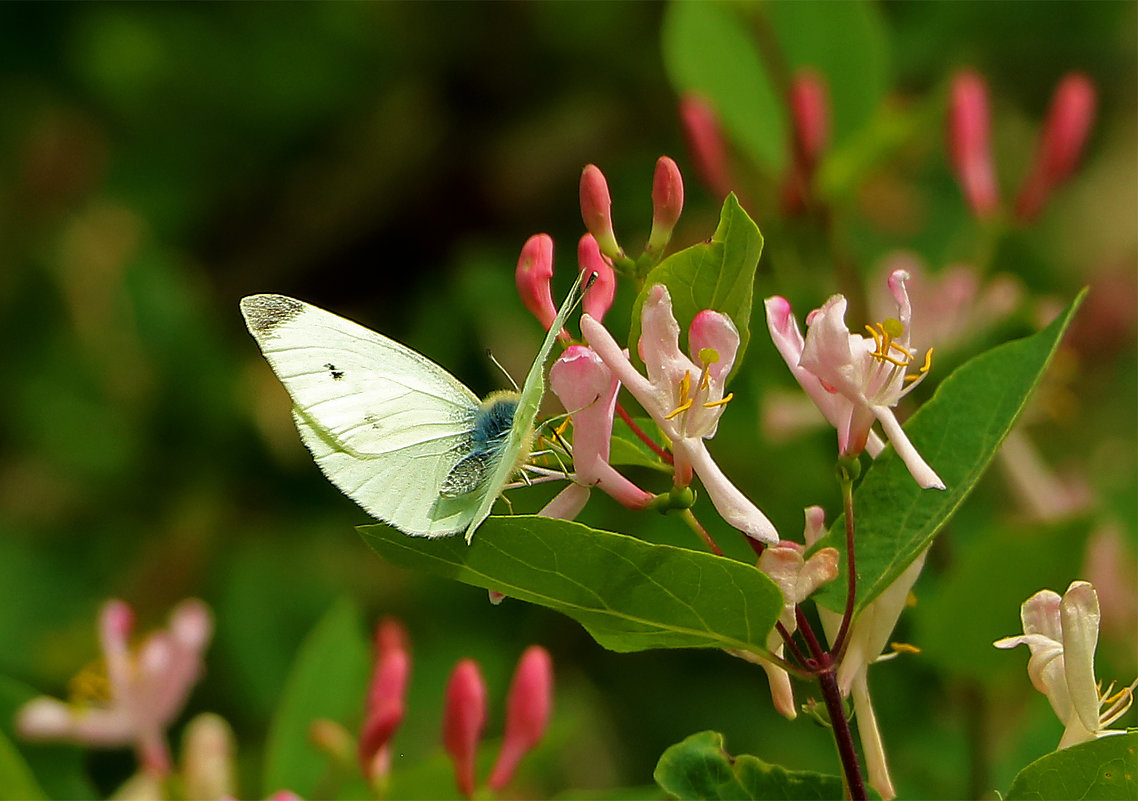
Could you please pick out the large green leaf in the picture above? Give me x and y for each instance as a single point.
(328, 680)
(958, 432)
(629, 595)
(709, 52)
(1106, 768)
(718, 274)
(16, 779)
(699, 767)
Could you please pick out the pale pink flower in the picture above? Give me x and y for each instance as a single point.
(1062, 634)
(587, 389)
(463, 719)
(528, 706)
(147, 687)
(685, 397)
(797, 577)
(385, 698)
(856, 380)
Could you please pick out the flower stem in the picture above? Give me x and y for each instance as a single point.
(695, 526)
(839, 644)
(639, 432)
(843, 738)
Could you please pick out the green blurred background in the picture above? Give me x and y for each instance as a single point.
(386, 161)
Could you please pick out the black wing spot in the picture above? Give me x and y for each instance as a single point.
(336, 374)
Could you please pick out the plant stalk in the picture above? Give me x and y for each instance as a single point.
(843, 737)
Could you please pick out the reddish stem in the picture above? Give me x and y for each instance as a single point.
(647, 440)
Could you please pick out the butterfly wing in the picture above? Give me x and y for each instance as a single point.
(525, 414)
(384, 423)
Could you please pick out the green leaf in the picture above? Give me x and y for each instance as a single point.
(328, 680)
(16, 779)
(709, 52)
(628, 594)
(1106, 768)
(629, 449)
(699, 767)
(719, 275)
(958, 432)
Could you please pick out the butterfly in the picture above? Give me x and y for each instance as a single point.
(391, 429)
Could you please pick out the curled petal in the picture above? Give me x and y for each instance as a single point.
(715, 331)
(598, 297)
(1079, 616)
(732, 505)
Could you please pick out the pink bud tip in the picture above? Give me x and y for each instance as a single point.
(463, 719)
(705, 144)
(667, 203)
(968, 142)
(535, 270)
(810, 108)
(1064, 135)
(527, 712)
(596, 210)
(598, 297)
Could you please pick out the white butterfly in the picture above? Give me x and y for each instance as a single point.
(395, 432)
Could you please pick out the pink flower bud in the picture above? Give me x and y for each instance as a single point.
(705, 144)
(810, 114)
(527, 712)
(385, 698)
(969, 148)
(598, 297)
(596, 210)
(1068, 124)
(667, 203)
(535, 269)
(463, 719)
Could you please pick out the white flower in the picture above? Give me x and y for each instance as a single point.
(1062, 634)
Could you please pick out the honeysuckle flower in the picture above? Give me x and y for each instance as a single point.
(385, 699)
(587, 389)
(706, 144)
(968, 142)
(142, 692)
(528, 706)
(667, 203)
(685, 397)
(599, 294)
(533, 274)
(1062, 634)
(1069, 122)
(865, 642)
(209, 758)
(853, 379)
(798, 578)
(463, 718)
(596, 211)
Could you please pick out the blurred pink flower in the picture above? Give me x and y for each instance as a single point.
(854, 379)
(146, 687)
(463, 719)
(385, 698)
(810, 114)
(1068, 125)
(969, 127)
(1062, 634)
(706, 144)
(528, 706)
(685, 397)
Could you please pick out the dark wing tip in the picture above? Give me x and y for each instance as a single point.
(263, 313)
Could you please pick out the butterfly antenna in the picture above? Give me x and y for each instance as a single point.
(498, 364)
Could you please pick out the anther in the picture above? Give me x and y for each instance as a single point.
(721, 402)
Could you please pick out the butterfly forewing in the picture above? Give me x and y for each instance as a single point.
(385, 424)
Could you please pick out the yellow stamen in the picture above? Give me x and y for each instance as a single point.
(721, 402)
(904, 648)
(561, 429)
(904, 350)
(928, 361)
(683, 407)
(90, 685)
